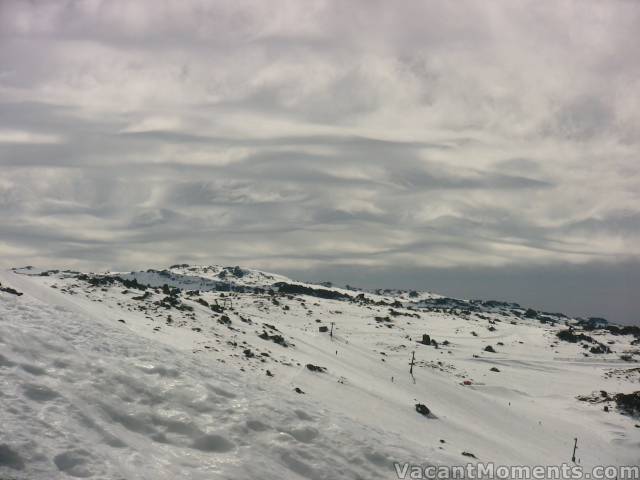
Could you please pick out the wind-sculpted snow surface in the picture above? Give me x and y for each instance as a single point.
(84, 399)
(223, 372)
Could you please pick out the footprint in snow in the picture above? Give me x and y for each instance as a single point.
(39, 393)
(213, 443)
(10, 458)
(74, 463)
(304, 434)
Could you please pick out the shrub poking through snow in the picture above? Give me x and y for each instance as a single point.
(569, 336)
(600, 348)
(142, 297)
(489, 349)
(216, 308)
(294, 289)
(279, 339)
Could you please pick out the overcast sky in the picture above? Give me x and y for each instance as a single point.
(477, 148)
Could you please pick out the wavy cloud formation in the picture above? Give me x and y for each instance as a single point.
(305, 135)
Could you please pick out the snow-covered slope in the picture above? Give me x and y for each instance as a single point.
(209, 372)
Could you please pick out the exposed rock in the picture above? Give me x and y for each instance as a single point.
(10, 290)
(629, 402)
(316, 368)
(422, 409)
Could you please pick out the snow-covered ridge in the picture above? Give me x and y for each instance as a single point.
(212, 277)
(227, 372)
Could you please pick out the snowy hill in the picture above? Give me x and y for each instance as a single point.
(225, 372)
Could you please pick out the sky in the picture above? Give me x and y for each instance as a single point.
(480, 149)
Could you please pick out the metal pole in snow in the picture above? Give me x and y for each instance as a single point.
(413, 357)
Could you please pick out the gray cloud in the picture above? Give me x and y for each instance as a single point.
(358, 135)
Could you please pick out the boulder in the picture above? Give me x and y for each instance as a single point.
(422, 409)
